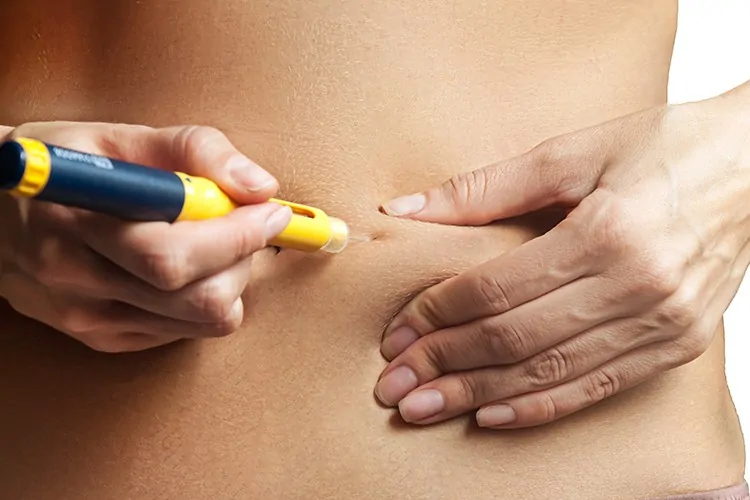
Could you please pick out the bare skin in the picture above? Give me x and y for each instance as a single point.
(347, 105)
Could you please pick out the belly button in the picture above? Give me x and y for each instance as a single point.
(357, 237)
(361, 238)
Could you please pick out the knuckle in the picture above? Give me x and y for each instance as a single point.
(45, 272)
(548, 368)
(662, 273)
(504, 342)
(164, 269)
(213, 301)
(197, 137)
(609, 225)
(467, 187)
(559, 162)
(677, 314)
(548, 410)
(599, 385)
(695, 344)
(228, 324)
(42, 260)
(437, 355)
(549, 151)
(77, 321)
(470, 391)
(615, 231)
(492, 292)
(428, 312)
(554, 159)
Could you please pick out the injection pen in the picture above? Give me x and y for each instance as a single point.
(46, 172)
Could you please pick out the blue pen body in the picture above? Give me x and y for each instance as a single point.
(97, 183)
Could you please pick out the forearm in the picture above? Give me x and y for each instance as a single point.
(735, 106)
(715, 138)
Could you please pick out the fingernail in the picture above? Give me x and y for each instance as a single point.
(406, 205)
(277, 221)
(397, 342)
(421, 405)
(249, 175)
(492, 416)
(394, 386)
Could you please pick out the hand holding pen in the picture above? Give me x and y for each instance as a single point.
(119, 285)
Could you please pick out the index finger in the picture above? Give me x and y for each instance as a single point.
(207, 152)
(523, 274)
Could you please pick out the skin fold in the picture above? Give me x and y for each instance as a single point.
(348, 105)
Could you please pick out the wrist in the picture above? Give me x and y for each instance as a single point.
(733, 107)
(712, 137)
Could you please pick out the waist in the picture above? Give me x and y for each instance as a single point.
(284, 407)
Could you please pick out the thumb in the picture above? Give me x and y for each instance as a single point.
(542, 177)
(207, 152)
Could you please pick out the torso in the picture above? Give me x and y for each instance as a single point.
(348, 104)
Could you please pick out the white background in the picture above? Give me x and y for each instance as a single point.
(712, 55)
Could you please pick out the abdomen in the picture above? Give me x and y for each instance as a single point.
(348, 104)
